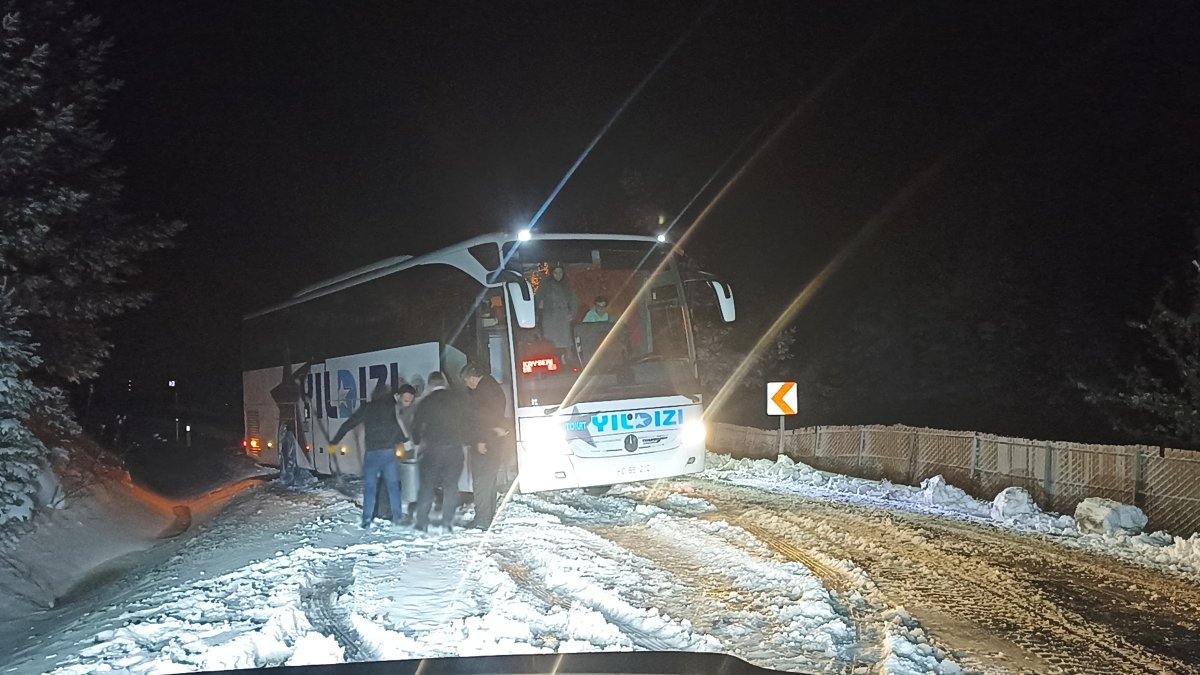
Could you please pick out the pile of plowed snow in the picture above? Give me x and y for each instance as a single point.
(1013, 509)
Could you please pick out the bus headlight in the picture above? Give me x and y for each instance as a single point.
(694, 432)
(544, 435)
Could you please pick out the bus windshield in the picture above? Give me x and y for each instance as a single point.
(611, 323)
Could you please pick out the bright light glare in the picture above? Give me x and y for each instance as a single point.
(524, 235)
(545, 434)
(694, 432)
(662, 238)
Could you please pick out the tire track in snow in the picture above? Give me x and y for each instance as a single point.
(886, 638)
(755, 608)
(319, 602)
(576, 567)
(726, 605)
(642, 638)
(1154, 610)
(964, 585)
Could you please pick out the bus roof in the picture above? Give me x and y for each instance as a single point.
(457, 255)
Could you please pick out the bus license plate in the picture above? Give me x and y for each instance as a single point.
(635, 470)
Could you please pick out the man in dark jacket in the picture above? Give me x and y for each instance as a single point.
(440, 428)
(381, 436)
(490, 440)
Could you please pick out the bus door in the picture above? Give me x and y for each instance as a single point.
(317, 422)
(304, 434)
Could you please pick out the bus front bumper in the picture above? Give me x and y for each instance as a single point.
(540, 472)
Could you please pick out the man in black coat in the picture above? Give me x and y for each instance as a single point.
(440, 426)
(381, 436)
(490, 439)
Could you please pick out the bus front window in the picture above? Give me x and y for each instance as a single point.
(611, 323)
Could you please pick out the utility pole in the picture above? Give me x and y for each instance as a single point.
(175, 391)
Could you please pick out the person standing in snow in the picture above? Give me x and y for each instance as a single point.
(438, 427)
(382, 434)
(558, 304)
(491, 439)
(289, 447)
(407, 399)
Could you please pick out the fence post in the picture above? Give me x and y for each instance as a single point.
(974, 455)
(1139, 478)
(862, 445)
(913, 442)
(1048, 480)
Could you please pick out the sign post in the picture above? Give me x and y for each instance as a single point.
(781, 401)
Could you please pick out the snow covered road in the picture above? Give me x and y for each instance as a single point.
(996, 600)
(782, 579)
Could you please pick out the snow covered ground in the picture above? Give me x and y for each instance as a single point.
(562, 572)
(735, 566)
(1012, 509)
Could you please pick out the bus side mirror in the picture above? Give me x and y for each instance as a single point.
(724, 300)
(520, 297)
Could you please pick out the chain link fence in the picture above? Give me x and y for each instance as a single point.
(1165, 483)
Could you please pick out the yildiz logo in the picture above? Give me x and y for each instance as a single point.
(335, 394)
(633, 421)
(631, 443)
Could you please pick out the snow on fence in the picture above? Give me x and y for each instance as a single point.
(1165, 483)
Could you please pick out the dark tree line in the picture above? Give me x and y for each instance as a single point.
(68, 252)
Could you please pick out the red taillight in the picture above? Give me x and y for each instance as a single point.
(245, 442)
(546, 364)
(308, 448)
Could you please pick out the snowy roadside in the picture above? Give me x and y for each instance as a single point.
(1012, 510)
(565, 572)
(99, 529)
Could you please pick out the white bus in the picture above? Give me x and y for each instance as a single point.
(604, 402)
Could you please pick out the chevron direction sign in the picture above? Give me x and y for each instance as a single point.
(781, 398)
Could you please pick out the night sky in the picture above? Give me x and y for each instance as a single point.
(301, 139)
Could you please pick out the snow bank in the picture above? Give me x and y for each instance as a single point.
(934, 497)
(936, 491)
(65, 546)
(314, 649)
(1013, 502)
(1013, 509)
(1096, 514)
(908, 650)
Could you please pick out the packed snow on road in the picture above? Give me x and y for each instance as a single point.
(748, 559)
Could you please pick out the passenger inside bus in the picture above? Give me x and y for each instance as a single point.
(557, 303)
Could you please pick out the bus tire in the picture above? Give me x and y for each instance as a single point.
(597, 490)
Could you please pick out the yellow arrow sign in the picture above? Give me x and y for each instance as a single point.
(781, 398)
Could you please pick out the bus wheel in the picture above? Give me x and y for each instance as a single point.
(597, 490)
